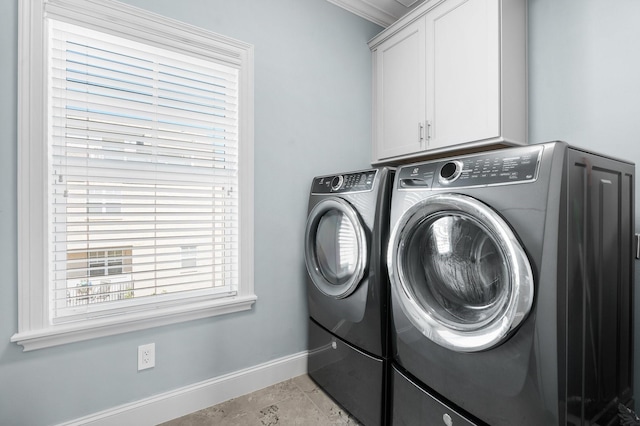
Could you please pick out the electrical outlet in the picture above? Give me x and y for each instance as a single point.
(146, 356)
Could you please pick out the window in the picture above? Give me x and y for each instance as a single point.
(137, 172)
(103, 262)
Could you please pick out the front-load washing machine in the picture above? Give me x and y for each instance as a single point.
(347, 286)
(511, 276)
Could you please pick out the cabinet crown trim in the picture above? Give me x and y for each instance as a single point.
(404, 21)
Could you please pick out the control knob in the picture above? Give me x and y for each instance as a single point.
(336, 182)
(450, 171)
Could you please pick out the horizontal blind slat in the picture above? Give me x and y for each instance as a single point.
(148, 250)
(152, 116)
(101, 90)
(86, 145)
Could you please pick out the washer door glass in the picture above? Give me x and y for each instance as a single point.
(459, 272)
(335, 247)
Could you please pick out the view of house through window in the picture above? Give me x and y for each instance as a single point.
(143, 188)
(99, 276)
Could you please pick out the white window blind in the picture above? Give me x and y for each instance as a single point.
(143, 163)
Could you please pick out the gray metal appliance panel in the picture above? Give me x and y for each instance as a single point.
(596, 299)
(413, 405)
(354, 379)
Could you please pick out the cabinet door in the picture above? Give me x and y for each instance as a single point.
(399, 92)
(463, 72)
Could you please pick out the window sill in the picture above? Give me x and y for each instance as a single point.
(108, 326)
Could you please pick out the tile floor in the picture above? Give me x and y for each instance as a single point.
(296, 401)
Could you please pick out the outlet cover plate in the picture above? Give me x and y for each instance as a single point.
(146, 356)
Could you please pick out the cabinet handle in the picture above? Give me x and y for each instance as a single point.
(420, 132)
(428, 130)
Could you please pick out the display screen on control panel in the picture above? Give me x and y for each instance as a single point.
(513, 165)
(348, 182)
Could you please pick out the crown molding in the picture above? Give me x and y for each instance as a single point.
(367, 11)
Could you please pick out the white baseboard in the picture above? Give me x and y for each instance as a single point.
(179, 402)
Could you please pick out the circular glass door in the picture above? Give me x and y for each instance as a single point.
(459, 273)
(335, 247)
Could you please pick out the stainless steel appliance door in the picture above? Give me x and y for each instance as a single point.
(459, 272)
(335, 247)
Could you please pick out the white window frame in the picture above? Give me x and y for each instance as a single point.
(35, 330)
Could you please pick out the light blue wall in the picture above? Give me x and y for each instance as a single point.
(312, 116)
(584, 68)
(584, 84)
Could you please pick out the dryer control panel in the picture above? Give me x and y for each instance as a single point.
(349, 182)
(512, 165)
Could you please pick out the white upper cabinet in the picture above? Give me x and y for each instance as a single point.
(451, 75)
(399, 96)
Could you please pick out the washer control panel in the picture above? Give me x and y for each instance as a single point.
(349, 182)
(513, 165)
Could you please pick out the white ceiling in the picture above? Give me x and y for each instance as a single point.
(382, 12)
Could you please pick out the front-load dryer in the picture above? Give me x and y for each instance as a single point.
(347, 287)
(511, 276)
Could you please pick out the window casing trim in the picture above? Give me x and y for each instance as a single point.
(134, 321)
(34, 328)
